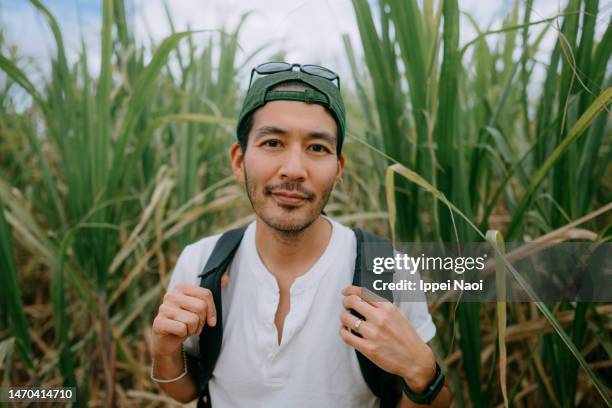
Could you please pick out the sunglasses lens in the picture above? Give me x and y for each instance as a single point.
(272, 67)
(319, 71)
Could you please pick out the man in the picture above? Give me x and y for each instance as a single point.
(289, 339)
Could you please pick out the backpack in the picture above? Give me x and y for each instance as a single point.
(383, 384)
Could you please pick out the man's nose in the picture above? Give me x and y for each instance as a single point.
(293, 166)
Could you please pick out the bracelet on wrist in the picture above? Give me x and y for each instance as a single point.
(430, 393)
(184, 373)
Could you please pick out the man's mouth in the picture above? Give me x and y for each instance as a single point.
(286, 198)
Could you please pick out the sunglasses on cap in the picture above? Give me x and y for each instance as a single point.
(275, 67)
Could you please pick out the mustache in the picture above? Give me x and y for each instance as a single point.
(290, 186)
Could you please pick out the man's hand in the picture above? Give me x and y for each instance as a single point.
(183, 313)
(387, 339)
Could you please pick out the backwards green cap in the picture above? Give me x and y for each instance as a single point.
(325, 93)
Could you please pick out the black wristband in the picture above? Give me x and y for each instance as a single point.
(431, 392)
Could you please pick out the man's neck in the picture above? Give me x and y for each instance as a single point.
(289, 255)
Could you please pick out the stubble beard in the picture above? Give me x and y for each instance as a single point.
(285, 224)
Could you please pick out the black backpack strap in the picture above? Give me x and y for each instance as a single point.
(382, 383)
(211, 337)
(371, 246)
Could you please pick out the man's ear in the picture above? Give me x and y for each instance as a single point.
(340, 169)
(237, 159)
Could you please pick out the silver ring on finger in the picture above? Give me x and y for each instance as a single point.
(357, 324)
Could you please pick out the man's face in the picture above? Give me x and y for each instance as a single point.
(290, 166)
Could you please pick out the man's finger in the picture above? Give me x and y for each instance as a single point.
(360, 306)
(356, 342)
(166, 326)
(224, 280)
(192, 290)
(352, 290)
(192, 320)
(348, 320)
(190, 303)
(365, 294)
(204, 294)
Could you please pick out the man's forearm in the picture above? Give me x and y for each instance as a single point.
(167, 367)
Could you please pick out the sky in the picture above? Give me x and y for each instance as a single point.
(309, 31)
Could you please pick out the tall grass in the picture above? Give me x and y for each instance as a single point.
(469, 131)
(99, 160)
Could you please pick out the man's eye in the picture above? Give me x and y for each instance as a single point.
(319, 148)
(271, 143)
